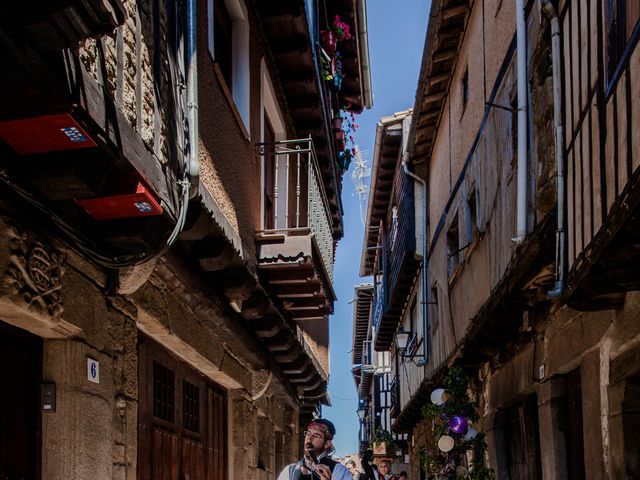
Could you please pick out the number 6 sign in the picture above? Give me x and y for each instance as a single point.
(93, 370)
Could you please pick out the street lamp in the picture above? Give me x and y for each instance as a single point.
(402, 342)
(402, 338)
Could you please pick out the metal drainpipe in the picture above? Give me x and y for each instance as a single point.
(425, 220)
(189, 184)
(521, 33)
(556, 57)
(193, 168)
(364, 41)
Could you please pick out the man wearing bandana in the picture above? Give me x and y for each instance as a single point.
(317, 463)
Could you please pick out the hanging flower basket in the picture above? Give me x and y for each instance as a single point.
(329, 41)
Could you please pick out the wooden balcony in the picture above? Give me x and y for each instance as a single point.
(292, 38)
(295, 250)
(400, 265)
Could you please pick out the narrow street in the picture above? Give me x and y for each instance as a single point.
(336, 240)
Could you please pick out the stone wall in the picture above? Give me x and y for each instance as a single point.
(605, 347)
(135, 67)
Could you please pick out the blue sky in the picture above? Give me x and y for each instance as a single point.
(396, 39)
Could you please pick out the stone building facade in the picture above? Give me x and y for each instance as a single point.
(156, 319)
(546, 323)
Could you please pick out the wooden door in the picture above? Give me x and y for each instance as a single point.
(182, 420)
(20, 378)
(575, 443)
(521, 435)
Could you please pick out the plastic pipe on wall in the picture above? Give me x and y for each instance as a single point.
(521, 46)
(556, 59)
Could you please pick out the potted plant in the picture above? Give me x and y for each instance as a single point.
(345, 158)
(329, 41)
(383, 445)
(337, 72)
(337, 32)
(341, 29)
(326, 69)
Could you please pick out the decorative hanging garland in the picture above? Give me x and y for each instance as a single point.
(451, 412)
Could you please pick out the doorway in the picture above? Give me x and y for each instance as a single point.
(20, 422)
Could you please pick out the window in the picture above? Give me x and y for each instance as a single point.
(191, 406)
(223, 41)
(472, 218)
(434, 313)
(465, 88)
(622, 20)
(394, 227)
(163, 393)
(229, 48)
(453, 247)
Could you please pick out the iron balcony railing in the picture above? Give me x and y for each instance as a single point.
(294, 196)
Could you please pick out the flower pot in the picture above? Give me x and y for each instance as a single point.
(337, 82)
(339, 134)
(329, 41)
(336, 123)
(383, 449)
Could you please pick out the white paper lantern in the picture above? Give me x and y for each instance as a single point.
(438, 396)
(446, 443)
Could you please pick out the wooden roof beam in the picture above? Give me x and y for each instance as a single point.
(451, 12)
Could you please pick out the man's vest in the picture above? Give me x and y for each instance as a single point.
(295, 473)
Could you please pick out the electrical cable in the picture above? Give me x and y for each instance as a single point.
(84, 245)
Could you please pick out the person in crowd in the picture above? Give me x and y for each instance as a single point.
(317, 463)
(383, 472)
(403, 476)
(355, 473)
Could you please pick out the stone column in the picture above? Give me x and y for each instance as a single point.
(592, 413)
(553, 454)
(77, 438)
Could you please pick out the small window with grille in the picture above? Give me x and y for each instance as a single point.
(163, 393)
(190, 406)
(453, 248)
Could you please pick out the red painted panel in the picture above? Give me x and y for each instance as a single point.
(142, 203)
(48, 133)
